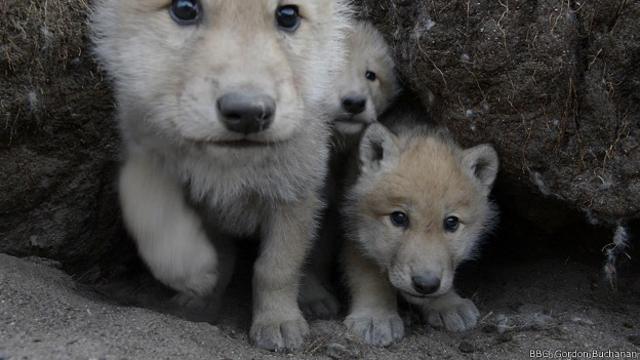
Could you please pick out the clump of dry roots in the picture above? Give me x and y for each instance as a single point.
(614, 251)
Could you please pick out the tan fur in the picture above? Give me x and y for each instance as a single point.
(424, 174)
(190, 185)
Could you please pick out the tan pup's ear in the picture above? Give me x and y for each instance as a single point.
(378, 149)
(482, 163)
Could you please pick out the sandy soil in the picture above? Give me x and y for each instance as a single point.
(539, 305)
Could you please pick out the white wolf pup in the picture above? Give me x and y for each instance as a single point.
(418, 207)
(220, 107)
(367, 83)
(364, 89)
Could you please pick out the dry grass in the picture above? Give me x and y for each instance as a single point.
(42, 43)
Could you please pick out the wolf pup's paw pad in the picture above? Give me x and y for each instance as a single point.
(378, 330)
(459, 315)
(279, 336)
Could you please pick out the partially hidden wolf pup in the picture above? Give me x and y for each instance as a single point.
(365, 87)
(220, 110)
(367, 83)
(416, 211)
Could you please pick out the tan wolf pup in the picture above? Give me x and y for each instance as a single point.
(416, 211)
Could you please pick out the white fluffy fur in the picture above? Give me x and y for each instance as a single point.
(167, 78)
(367, 50)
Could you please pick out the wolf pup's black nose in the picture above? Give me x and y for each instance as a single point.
(354, 104)
(246, 113)
(426, 284)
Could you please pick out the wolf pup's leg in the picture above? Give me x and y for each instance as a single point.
(452, 312)
(278, 323)
(207, 308)
(169, 234)
(373, 317)
(315, 297)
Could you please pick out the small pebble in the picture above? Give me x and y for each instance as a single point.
(502, 323)
(503, 328)
(541, 322)
(504, 337)
(466, 347)
(582, 321)
(627, 325)
(339, 351)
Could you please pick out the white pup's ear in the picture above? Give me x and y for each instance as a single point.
(378, 149)
(482, 163)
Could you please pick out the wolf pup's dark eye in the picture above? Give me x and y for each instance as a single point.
(399, 219)
(288, 17)
(451, 224)
(370, 75)
(185, 12)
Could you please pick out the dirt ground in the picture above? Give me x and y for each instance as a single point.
(550, 304)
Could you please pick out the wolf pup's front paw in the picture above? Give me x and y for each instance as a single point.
(376, 329)
(316, 301)
(196, 308)
(198, 281)
(452, 313)
(321, 306)
(279, 335)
